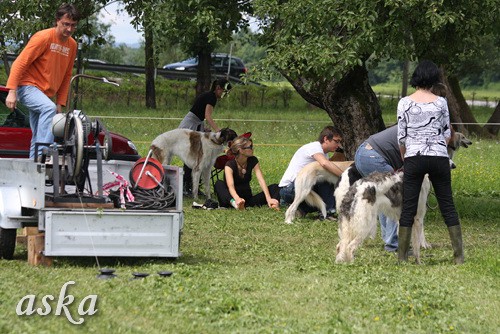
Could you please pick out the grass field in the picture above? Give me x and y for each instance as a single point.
(248, 272)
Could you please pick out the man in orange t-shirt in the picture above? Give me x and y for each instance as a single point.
(42, 73)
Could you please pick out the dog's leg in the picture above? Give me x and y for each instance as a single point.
(301, 191)
(343, 241)
(196, 181)
(422, 209)
(416, 239)
(206, 181)
(290, 212)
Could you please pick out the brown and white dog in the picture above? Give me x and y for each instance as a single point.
(198, 150)
(360, 200)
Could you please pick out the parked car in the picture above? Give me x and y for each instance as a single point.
(220, 64)
(15, 135)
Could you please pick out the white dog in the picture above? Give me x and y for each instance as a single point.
(358, 210)
(198, 150)
(308, 176)
(360, 201)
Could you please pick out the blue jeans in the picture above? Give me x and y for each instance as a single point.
(439, 172)
(368, 161)
(42, 109)
(323, 189)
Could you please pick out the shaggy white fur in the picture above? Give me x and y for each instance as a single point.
(359, 207)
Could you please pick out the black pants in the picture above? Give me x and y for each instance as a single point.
(224, 196)
(439, 172)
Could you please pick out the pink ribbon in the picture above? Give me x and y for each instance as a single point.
(123, 185)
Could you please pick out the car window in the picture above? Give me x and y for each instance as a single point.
(190, 61)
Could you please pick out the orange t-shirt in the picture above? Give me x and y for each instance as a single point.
(46, 63)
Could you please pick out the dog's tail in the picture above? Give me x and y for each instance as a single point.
(314, 200)
(157, 153)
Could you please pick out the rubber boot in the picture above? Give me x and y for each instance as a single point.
(404, 237)
(456, 243)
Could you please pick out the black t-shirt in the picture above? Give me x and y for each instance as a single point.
(201, 102)
(242, 184)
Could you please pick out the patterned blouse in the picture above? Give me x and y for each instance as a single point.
(423, 127)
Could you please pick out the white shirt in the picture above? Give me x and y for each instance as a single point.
(302, 157)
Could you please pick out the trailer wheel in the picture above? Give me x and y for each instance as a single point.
(7, 242)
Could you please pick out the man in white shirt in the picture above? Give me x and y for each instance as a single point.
(329, 140)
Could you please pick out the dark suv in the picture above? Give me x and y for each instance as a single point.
(221, 62)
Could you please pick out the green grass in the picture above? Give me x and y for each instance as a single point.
(248, 272)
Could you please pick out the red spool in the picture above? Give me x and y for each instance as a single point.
(152, 166)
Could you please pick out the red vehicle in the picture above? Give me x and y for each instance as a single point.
(15, 135)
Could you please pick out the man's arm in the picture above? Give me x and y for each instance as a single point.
(327, 164)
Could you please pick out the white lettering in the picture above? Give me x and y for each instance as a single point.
(91, 309)
(62, 306)
(29, 308)
(46, 304)
(26, 306)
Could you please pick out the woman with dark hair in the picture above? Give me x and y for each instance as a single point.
(204, 105)
(423, 134)
(202, 110)
(235, 190)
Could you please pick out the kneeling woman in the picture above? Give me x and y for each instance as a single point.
(237, 176)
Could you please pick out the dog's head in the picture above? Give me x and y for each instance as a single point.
(457, 140)
(225, 135)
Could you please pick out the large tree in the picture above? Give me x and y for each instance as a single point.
(321, 47)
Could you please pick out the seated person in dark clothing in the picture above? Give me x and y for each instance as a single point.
(235, 190)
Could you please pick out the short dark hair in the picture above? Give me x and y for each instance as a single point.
(329, 131)
(68, 9)
(223, 83)
(425, 75)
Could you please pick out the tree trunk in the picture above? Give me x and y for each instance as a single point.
(351, 104)
(495, 118)
(355, 109)
(203, 76)
(404, 84)
(150, 68)
(460, 112)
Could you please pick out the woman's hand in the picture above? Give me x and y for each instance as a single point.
(274, 204)
(240, 203)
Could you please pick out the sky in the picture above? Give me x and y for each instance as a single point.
(121, 28)
(123, 31)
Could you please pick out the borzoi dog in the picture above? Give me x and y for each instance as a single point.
(360, 201)
(308, 176)
(198, 150)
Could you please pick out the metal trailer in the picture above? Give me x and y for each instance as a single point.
(83, 231)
